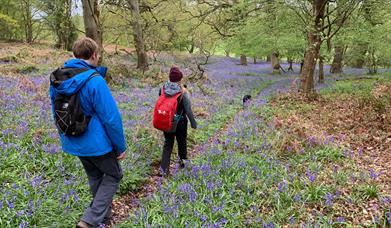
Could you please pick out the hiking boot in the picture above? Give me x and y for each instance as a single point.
(183, 163)
(163, 173)
(83, 224)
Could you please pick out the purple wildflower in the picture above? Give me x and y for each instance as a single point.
(10, 205)
(297, 198)
(373, 174)
(282, 186)
(311, 176)
(268, 225)
(329, 198)
(23, 224)
(292, 220)
(360, 150)
(340, 219)
(388, 217)
(210, 186)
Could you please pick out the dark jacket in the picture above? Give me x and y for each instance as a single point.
(105, 132)
(184, 102)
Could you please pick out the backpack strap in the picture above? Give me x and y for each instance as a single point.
(89, 78)
(181, 100)
(63, 74)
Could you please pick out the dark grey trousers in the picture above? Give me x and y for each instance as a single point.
(169, 139)
(104, 174)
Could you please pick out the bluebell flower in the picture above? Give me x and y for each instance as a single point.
(23, 224)
(311, 176)
(373, 174)
(10, 204)
(340, 219)
(329, 198)
(297, 197)
(292, 220)
(268, 225)
(20, 213)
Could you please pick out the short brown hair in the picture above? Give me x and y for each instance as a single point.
(84, 48)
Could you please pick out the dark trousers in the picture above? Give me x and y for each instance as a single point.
(181, 137)
(104, 174)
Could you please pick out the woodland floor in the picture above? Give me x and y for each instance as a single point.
(281, 159)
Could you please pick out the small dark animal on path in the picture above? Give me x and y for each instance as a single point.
(246, 99)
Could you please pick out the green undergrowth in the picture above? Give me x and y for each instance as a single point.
(364, 90)
(221, 119)
(241, 180)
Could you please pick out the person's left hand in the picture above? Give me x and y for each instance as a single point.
(121, 156)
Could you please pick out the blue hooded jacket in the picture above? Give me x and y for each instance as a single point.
(105, 131)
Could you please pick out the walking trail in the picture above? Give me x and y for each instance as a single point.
(225, 68)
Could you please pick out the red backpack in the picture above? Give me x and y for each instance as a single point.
(164, 112)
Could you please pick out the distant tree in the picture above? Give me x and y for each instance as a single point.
(322, 23)
(8, 26)
(142, 58)
(27, 12)
(58, 16)
(367, 37)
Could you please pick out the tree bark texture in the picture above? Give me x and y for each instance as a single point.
(28, 20)
(91, 16)
(243, 60)
(336, 66)
(275, 62)
(321, 69)
(290, 68)
(142, 58)
(313, 47)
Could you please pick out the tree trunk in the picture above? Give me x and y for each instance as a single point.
(243, 60)
(142, 58)
(226, 53)
(255, 60)
(301, 65)
(313, 47)
(275, 63)
(28, 20)
(372, 62)
(359, 50)
(290, 61)
(336, 66)
(92, 23)
(69, 33)
(321, 70)
(268, 59)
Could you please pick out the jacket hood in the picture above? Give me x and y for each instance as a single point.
(171, 88)
(79, 63)
(75, 73)
(69, 81)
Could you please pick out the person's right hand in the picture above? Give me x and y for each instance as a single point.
(121, 156)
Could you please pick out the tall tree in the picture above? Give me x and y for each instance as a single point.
(27, 8)
(58, 16)
(313, 46)
(92, 25)
(8, 25)
(320, 19)
(142, 58)
(336, 66)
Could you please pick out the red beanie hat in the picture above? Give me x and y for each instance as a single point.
(175, 74)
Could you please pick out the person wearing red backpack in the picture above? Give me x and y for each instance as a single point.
(178, 129)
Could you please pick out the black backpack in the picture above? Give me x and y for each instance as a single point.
(68, 114)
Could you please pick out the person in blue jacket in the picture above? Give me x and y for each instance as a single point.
(103, 143)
